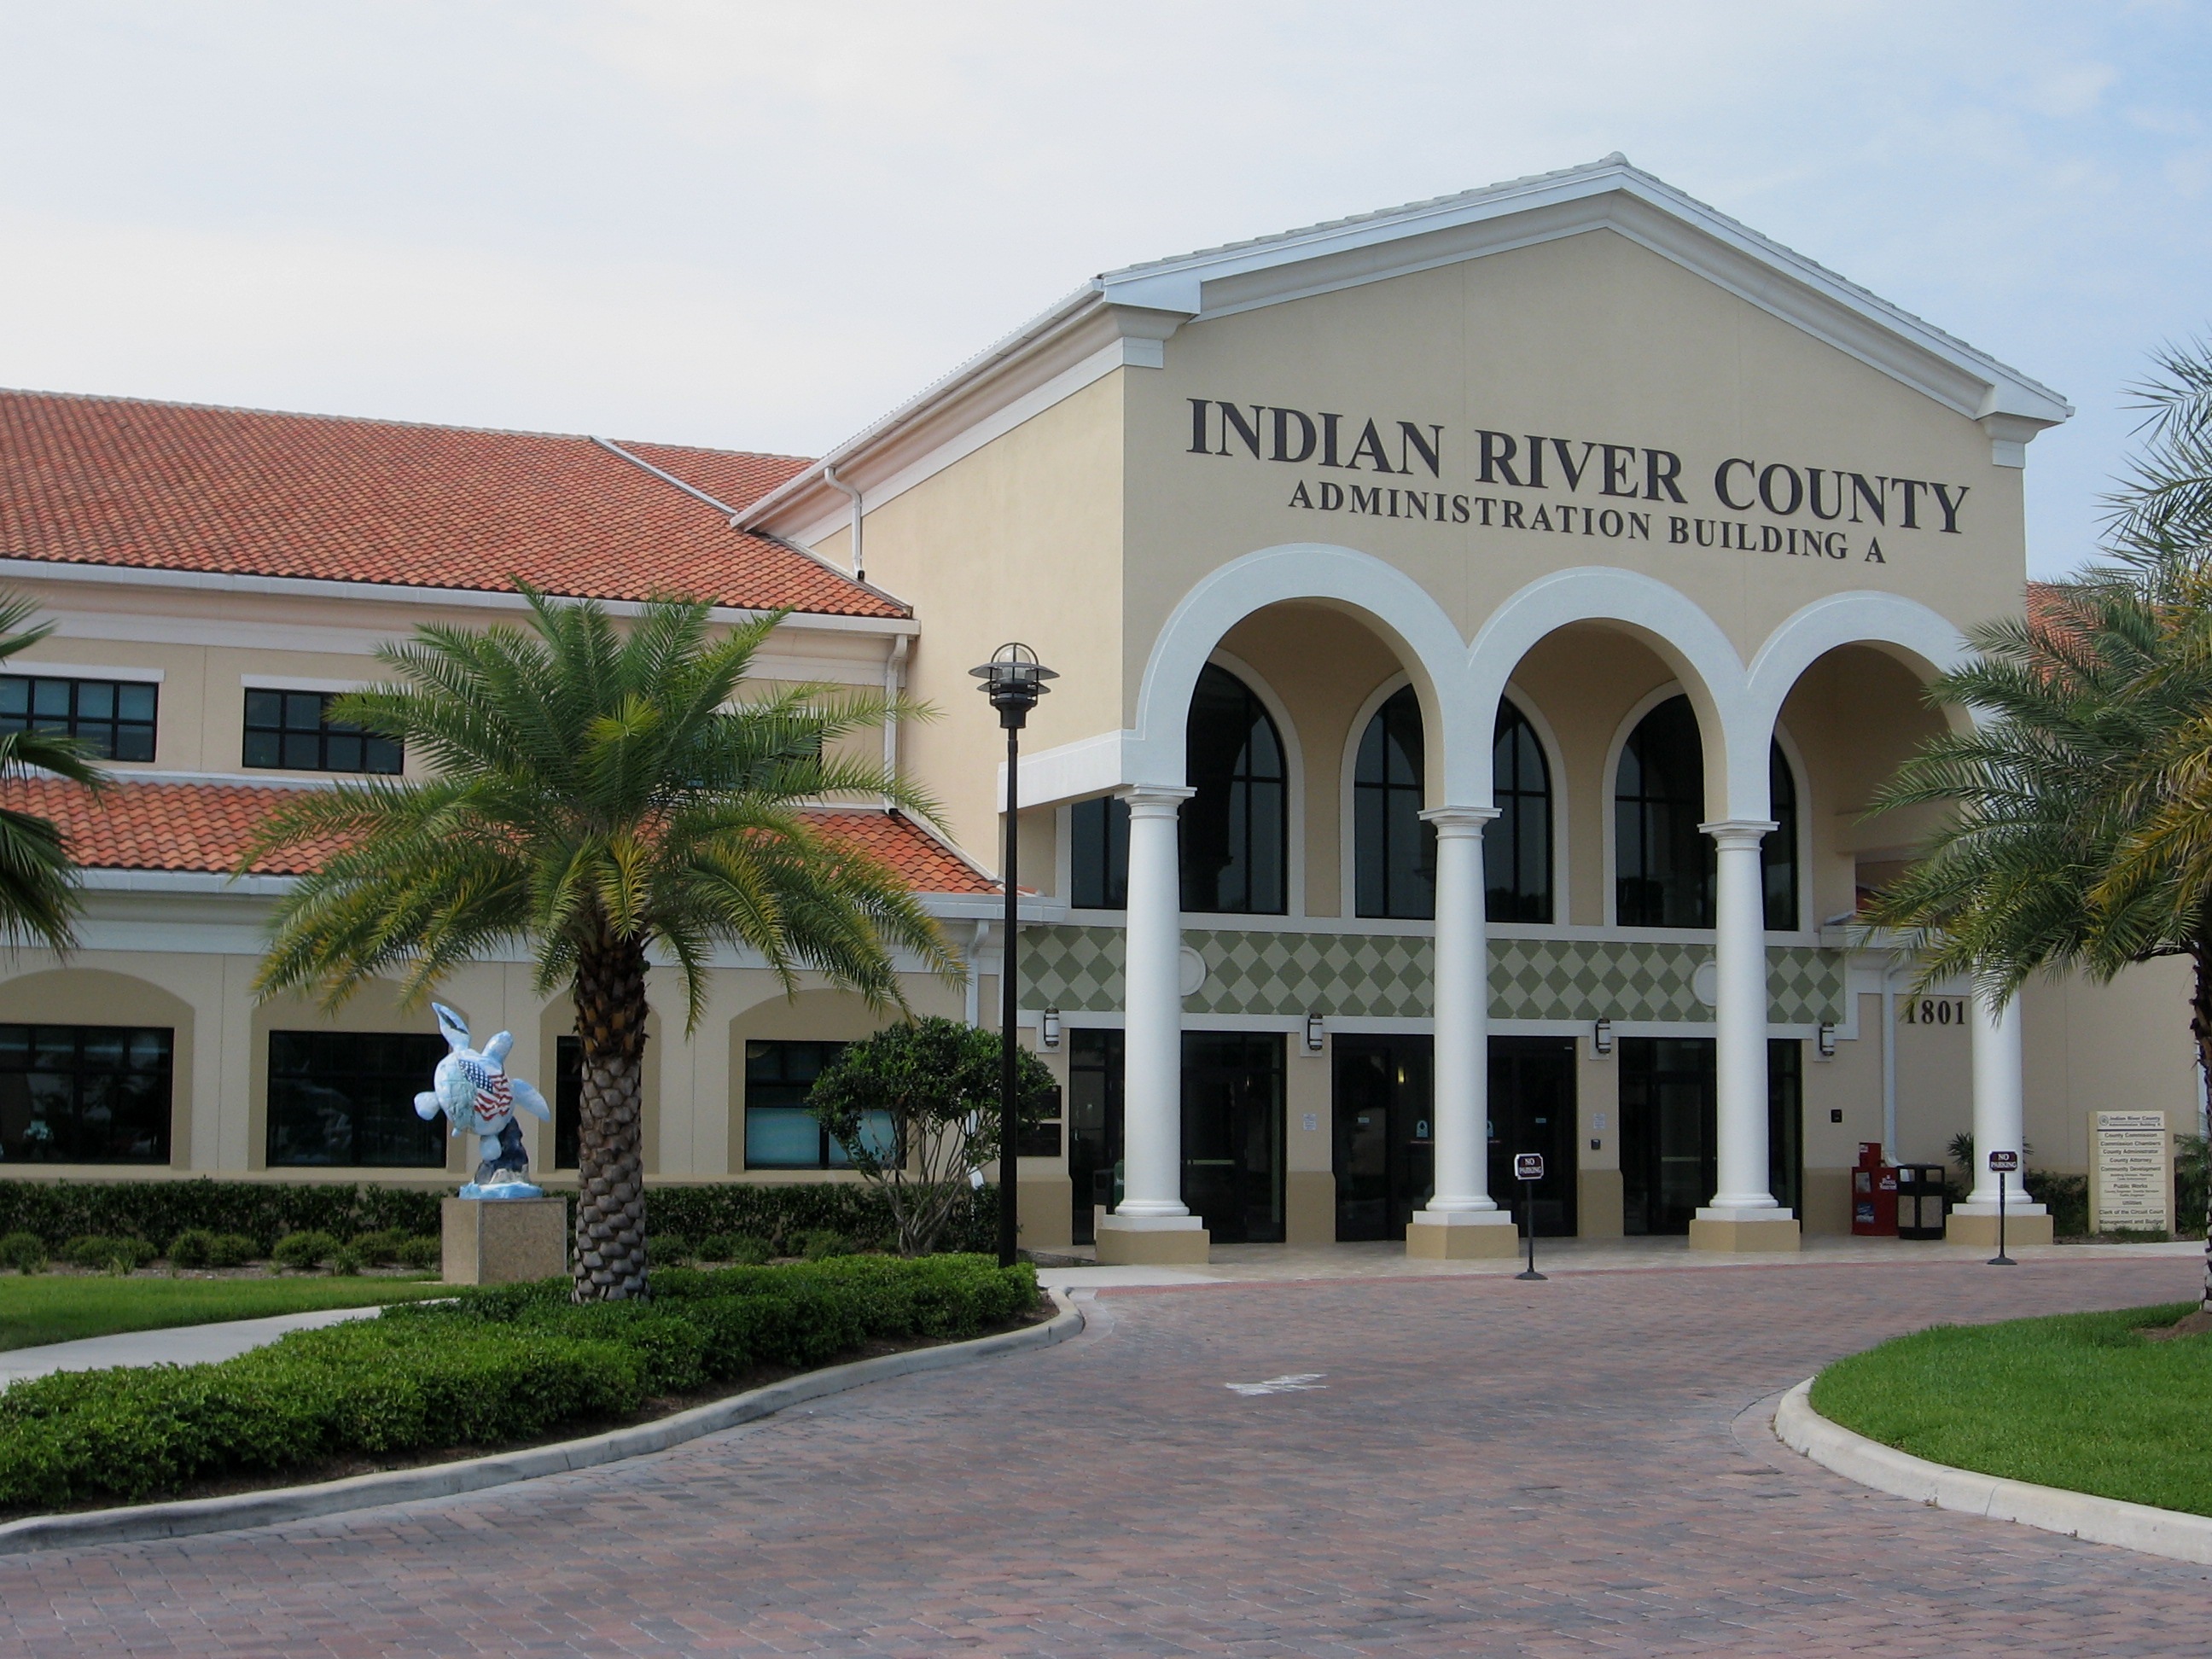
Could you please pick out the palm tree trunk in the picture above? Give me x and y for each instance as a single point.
(610, 995)
(2200, 1024)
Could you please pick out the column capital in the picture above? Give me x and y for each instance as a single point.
(1739, 832)
(1155, 800)
(1459, 820)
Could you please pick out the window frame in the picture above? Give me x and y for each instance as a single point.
(1242, 782)
(1372, 867)
(828, 1155)
(127, 1037)
(285, 733)
(74, 723)
(1505, 829)
(1616, 803)
(404, 1077)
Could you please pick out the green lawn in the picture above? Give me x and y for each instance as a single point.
(2079, 1401)
(57, 1308)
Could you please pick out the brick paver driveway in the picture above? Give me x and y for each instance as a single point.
(1486, 1467)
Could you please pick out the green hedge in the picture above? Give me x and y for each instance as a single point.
(495, 1366)
(157, 1211)
(55, 1212)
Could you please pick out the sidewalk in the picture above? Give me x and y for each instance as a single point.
(175, 1345)
(1245, 1264)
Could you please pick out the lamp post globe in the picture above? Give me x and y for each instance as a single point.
(1013, 680)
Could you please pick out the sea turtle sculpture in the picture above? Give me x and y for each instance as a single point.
(472, 1087)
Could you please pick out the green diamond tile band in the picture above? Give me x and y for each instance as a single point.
(1386, 976)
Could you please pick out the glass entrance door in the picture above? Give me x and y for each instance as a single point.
(1232, 1134)
(1094, 1126)
(1670, 1129)
(1385, 1156)
(1532, 1109)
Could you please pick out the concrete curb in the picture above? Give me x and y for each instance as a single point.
(142, 1521)
(2167, 1533)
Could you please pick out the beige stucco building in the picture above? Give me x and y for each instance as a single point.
(1480, 627)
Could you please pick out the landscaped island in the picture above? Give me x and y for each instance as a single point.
(2083, 1401)
(486, 1368)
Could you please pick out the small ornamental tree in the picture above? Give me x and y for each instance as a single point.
(916, 1107)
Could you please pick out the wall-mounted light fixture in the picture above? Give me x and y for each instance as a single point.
(1601, 1037)
(1313, 1034)
(1048, 1029)
(1827, 1040)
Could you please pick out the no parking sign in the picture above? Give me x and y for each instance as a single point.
(1528, 1166)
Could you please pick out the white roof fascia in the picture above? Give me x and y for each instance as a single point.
(219, 581)
(1142, 304)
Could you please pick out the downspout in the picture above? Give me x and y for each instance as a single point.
(974, 1006)
(1889, 1060)
(859, 563)
(893, 683)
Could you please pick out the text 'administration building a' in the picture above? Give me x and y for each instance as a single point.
(1480, 627)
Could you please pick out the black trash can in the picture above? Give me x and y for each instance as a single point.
(1921, 1206)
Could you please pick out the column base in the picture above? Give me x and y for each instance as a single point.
(1461, 1235)
(1153, 1241)
(1976, 1224)
(1745, 1231)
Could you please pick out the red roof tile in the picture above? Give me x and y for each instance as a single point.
(114, 481)
(205, 827)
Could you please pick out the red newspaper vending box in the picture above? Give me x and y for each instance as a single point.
(1874, 1195)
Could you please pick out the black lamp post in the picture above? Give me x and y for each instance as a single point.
(1013, 680)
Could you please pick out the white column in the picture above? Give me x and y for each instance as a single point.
(1998, 1113)
(1151, 1089)
(1740, 1016)
(1461, 1218)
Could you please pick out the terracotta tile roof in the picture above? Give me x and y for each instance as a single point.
(205, 827)
(115, 481)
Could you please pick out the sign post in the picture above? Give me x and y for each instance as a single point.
(1529, 1167)
(2002, 1164)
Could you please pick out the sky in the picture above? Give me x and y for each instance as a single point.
(761, 226)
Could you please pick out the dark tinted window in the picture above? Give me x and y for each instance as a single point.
(1516, 848)
(1394, 855)
(1098, 854)
(1777, 854)
(1663, 863)
(1236, 829)
(348, 1098)
(780, 1134)
(113, 717)
(84, 1094)
(293, 730)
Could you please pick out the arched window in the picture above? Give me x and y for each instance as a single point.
(1777, 854)
(1663, 863)
(1394, 853)
(1236, 829)
(1516, 848)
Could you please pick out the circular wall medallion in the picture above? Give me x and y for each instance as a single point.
(1191, 971)
(1705, 982)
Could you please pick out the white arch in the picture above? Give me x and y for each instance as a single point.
(1399, 605)
(1924, 641)
(1676, 628)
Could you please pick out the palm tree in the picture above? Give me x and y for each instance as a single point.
(2079, 830)
(39, 898)
(596, 796)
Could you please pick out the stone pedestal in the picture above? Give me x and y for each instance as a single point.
(1751, 1234)
(1145, 1241)
(1972, 1224)
(1461, 1235)
(502, 1241)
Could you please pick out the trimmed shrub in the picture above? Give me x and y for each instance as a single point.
(346, 1262)
(23, 1253)
(422, 1253)
(303, 1251)
(822, 1243)
(506, 1362)
(104, 1253)
(380, 1248)
(782, 1214)
(194, 1247)
(668, 1250)
(230, 1251)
